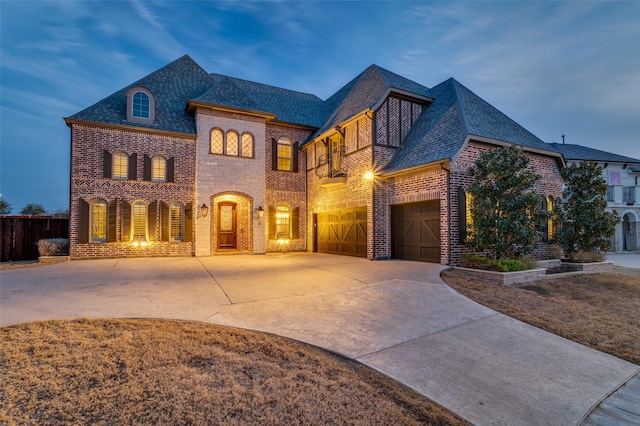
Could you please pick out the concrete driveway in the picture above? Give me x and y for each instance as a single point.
(395, 316)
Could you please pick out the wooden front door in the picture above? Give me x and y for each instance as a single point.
(227, 223)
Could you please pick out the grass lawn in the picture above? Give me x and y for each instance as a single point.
(121, 372)
(600, 310)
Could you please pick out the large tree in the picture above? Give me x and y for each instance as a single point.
(33, 209)
(507, 215)
(585, 225)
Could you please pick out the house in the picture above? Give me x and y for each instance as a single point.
(184, 162)
(623, 195)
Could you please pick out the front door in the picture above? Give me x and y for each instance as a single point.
(227, 225)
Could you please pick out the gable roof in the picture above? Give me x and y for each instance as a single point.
(455, 115)
(583, 153)
(287, 105)
(363, 92)
(170, 85)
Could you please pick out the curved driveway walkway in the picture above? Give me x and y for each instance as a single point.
(395, 316)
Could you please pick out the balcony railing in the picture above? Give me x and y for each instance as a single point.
(623, 194)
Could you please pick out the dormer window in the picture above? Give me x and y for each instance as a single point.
(141, 105)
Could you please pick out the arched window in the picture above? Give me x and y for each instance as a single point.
(284, 154)
(176, 225)
(247, 145)
(99, 221)
(232, 143)
(139, 222)
(158, 169)
(120, 165)
(283, 222)
(141, 105)
(217, 141)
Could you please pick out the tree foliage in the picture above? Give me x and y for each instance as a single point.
(5, 207)
(584, 224)
(508, 216)
(33, 209)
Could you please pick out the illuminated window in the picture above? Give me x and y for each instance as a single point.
(141, 105)
(120, 165)
(99, 221)
(247, 145)
(217, 141)
(285, 153)
(139, 221)
(337, 156)
(176, 222)
(468, 202)
(158, 169)
(232, 143)
(283, 222)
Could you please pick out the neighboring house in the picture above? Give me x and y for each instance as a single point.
(623, 195)
(183, 162)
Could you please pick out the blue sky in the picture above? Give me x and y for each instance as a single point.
(554, 67)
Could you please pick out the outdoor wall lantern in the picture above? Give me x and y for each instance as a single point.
(260, 212)
(204, 210)
(368, 175)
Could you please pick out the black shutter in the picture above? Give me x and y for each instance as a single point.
(165, 222)
(146, 173)
(106, 164)
(133, 166)
(294, 167)
(170, 169)
(462, 216)
(188, 226)
(83, 221)
(272, 223)
(295, 223)
(153, 220)
(112, 221)
(274, 154)
(126, 221)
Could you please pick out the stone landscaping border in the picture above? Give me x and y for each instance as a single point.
(520, 277)
(49, 260)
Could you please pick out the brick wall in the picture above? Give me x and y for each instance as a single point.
(88, 184)
(220, 175)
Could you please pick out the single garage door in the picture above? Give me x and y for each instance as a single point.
(342, 232)
(415, 231)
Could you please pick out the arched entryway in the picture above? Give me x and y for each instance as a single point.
(231, 224)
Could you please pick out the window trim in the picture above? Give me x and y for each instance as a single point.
(179, 238)
(283, 141)
(252, 140)
(222, 147)
(228, 144)
(136, 237)
(152, 105)
(279, 235)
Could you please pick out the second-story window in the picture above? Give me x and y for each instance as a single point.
(158, 169)
(120, 165)
(232, 143)
(247, 145)
(284, 154)
(337, 157)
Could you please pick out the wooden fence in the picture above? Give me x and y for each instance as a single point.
(20, 235)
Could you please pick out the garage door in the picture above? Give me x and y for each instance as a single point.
(342, 232)
(415, 231)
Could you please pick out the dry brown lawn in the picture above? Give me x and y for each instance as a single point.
(122, 372)
(601, 311)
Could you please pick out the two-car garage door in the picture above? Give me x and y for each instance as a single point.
(415, 231)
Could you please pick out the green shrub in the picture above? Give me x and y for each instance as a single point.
(500, 265)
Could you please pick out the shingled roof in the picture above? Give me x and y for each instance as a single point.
(457, 113)
(363, 92)
(287, 105)
(171, 86)
(583, 153)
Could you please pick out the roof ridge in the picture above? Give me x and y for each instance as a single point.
(458, 103)
(263, 84)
